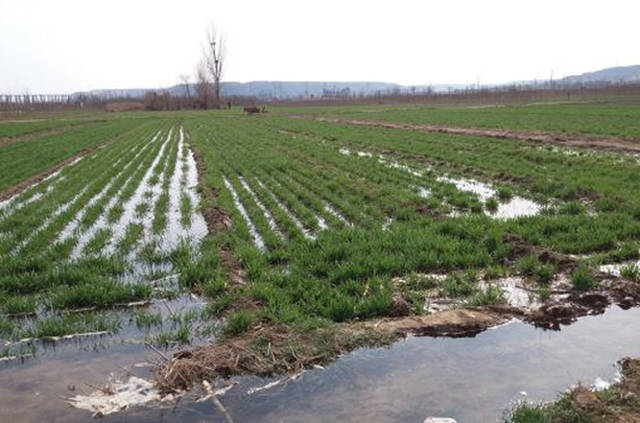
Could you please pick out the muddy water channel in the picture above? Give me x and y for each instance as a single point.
(469, 379)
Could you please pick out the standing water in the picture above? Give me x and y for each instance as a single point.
(469, 379)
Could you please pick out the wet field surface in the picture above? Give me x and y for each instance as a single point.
(470, 379)
(141, 205)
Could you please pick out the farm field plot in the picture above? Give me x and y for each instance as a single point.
(10, 129)
(339, 211)
(24, 159)
(562, 119)
(85, 248)
(273, 244)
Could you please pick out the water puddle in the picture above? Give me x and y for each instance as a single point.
(517, 207)
(61, 209)
(483, 191)
(129, 208)
(510, 209)
(397, 165)
(197, 230)
(468, 379)
(73, 226)
(514, 291)
(183, 182)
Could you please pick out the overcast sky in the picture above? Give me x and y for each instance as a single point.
(63, 46)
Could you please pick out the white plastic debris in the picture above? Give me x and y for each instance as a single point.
(117, 396)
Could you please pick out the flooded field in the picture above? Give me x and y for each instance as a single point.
(175, 264)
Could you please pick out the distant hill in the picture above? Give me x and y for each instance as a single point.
(266, 89)
(620, 74)
(269, 90)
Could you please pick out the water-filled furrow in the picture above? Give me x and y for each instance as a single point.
(255, 235)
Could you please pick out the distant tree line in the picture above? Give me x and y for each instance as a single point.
(204, 95)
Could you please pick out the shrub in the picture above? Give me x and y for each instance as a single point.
(18, 305)
(544, 293)
(528, 264)
(504, 193)
(545, 272)
(456, 286)
(581, 279)
(631, 271)
(490, 295)
(573, 208)
(340, 309)
(238, 322)
(491, 204)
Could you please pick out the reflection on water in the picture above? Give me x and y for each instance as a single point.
(469, 379)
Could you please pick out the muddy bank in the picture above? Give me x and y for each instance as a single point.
(600, 403)
(267, 350)
(616, 144)
(473, 379)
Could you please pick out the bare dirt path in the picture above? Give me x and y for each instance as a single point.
(611, 143)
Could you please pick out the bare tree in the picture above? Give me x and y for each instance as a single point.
(184, 78)
(215, 54)
(202, 86)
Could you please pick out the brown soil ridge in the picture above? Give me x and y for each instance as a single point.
(609, 143)
(269, 350)
(218, 220)
(17, 189)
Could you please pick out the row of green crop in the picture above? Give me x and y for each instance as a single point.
(574, 119)
(97, 169)
(293, 168)
(19, 161)
(17, 128)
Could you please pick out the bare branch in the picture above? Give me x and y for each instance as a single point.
(214, 59)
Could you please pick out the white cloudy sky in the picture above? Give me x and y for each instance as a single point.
(68, 45)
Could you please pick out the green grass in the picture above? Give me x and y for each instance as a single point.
(237, 323)
(581, 279)
(338, 230)
(575, 119)
(25, 159)
(17, 305)
(98, 294)
(631, 271)
(145, 319)
(68, 324)
(167, 339)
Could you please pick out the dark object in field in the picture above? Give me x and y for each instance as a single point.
(123, 106)
(253, 109)
(399, 307)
